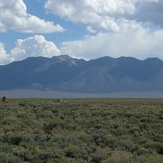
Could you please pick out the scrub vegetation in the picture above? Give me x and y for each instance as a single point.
(81, 131)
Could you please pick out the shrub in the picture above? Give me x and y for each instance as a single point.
(54, 123)
(14, 139)
(9, 158)
(155, 146)
(100, 155)
(142, 151)
(72, 151)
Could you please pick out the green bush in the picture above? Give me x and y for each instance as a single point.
(9, 158)
(52, 124)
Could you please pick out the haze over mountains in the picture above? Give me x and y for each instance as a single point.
(102, 75)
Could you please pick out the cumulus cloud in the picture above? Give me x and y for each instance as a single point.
(140, 43)
(4, 57)
(30, 47)
(14, 16)
(107, 15)
(33, 47)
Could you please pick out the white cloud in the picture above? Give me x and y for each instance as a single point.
(14, 16)
(125, 27)
(33, 47)
(4, 57)
(140, 43)
(107, 15)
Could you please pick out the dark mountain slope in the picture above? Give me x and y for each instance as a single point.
(63, 73)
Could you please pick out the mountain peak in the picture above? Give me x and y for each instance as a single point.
(154, 59)
(67, 59)
(63, 57)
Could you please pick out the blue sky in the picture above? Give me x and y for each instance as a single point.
(82, 28)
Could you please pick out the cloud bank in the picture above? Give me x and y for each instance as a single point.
(14, 16)
(139, 43)
(123, 27)
(106, 15)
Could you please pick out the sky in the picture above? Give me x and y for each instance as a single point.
(85, 29)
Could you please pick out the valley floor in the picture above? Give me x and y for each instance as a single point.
(81, 131)
(32, 93)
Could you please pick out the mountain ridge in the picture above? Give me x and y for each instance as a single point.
(101, 75)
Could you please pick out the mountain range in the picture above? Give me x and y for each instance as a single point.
(102, 75)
